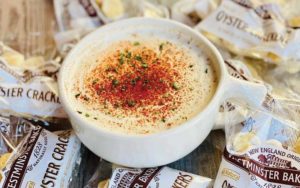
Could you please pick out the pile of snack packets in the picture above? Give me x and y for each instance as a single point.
(259, 41)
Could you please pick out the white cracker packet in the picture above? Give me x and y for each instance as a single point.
(28, 86)
(263, 150)
(159, 177)
(255, 29)
(38, 157)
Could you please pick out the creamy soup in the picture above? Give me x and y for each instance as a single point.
(142, 87)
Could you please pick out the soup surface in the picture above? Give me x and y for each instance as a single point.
(142, 87)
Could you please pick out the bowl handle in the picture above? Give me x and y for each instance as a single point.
(252, 93)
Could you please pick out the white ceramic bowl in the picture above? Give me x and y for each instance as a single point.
(163, 147)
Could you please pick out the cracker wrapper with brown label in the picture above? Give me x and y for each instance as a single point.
(255, 29)
(36, 157)
(263, 150)
(159, 177)
(29, 86)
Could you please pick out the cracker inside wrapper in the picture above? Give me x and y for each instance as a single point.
(264, 148)
(254, 29)
(39, 157)
(3, 159)
(103, 184)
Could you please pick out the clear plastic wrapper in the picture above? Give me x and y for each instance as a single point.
(111, 10)
(263, 150)
(167, 3)
(191, 12)
(29, 85)
(254, 29)
(33, 156)
(75, 18)
(285, 84)
(155, 177)
(75, 14)
(282, 86)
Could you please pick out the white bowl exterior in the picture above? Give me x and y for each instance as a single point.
(147, 151)
(144, 150)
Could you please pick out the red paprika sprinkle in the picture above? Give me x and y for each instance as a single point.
(136, 86)
(134, 79)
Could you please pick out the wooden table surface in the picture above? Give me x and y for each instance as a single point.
(28, 26)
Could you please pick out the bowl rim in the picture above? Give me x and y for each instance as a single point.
(185, 125)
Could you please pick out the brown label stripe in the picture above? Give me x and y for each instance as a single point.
(269, 174)
(145, 177)
(18, 168)
(236, 71)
